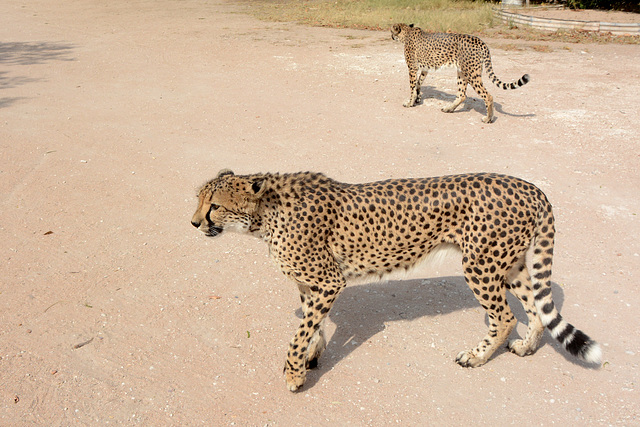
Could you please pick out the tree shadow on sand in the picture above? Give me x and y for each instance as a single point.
(32, 53)
(9, 82)
(21, 54)
(362, 311)
(8, 101)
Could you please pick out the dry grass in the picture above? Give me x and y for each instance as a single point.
(460, 16)
(435, 15)
(542, 48)
(508, 46)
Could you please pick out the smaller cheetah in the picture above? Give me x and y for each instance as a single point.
(424, 51)
(321, 232)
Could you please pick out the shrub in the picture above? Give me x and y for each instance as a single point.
(626, 5)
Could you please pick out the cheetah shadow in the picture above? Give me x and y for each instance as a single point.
(471, 103)
(363, 311)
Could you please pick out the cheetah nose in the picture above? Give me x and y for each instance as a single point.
(195, 224)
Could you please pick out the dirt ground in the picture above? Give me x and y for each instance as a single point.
(114, 310)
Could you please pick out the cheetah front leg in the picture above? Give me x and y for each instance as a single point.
(295, 367)
(490, 292)
(461, 96)
(416, 76)
(308, 342)
(318, 343)
(421, 77)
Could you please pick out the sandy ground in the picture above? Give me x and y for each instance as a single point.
(114, 310)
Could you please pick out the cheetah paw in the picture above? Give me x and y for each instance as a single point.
(468, 359)
(518, 347)
(487, 119)
(294, 381)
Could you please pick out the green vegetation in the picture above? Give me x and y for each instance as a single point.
(625, 5)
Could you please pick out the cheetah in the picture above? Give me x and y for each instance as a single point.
(321, 232)
(425, 51)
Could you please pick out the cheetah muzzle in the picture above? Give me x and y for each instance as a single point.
(321, 232)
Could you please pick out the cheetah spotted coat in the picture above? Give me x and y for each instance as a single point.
(321, 232)
(425, 51)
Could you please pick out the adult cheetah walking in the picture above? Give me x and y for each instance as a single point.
(322, 232)
(425, 51)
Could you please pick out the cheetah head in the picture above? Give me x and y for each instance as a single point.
(399, 31)
(228, 202)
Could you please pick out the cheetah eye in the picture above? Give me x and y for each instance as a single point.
(214, 207)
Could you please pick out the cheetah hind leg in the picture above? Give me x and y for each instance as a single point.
(317, 344)
(519, 282)
(492, 296)
(501, 323)
(476, 83)
(462, 94)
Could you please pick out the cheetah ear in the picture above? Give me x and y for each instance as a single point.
(258, 186)
(224, 172)
(410, 25)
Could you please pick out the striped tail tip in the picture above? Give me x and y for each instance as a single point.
(593, 354)
(523, 81)
(575, 341)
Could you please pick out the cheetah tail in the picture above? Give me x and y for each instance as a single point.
(515, 85)
(572, 339)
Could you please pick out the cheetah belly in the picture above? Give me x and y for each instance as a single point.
(431, 67)
(424, 265)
